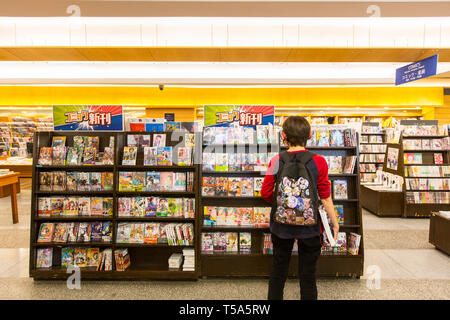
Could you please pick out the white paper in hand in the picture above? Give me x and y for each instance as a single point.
(326, 226)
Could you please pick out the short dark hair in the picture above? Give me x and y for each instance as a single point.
(330, 120)
(297, 130)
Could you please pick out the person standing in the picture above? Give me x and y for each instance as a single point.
(296, 132)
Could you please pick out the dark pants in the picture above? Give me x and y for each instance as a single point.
(308, 254)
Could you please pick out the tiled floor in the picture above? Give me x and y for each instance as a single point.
(395, 249)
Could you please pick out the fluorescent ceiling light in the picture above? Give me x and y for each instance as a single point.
(206, 74)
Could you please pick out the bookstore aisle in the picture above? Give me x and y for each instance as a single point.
(398, 249)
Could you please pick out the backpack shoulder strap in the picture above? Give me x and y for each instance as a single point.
(306, 156)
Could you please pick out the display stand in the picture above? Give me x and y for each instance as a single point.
(440, 232)
(427, 155)
(369, 151)
(148, 261)
(382, 203)
(257, 264)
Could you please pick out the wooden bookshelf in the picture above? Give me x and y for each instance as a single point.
(369, 176)
(148, 261)
(257, 264)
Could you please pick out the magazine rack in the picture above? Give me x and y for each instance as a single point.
(369, 175)
(258, 264)
(427, 155)
(148, 261)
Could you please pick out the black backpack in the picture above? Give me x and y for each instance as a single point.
(296, 199)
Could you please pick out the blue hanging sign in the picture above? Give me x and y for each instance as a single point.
(417, 70)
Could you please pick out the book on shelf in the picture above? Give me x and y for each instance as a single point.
(58, 141)
(267, 247)
(129, 156)
(354, 241)
(44, 258)
(159, 140)
(171, 234)
(245, 242)
(340, 189)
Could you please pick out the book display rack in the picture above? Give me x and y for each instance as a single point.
(252, 255)
(439, 232)
(372, 148)
(424, 162)
(112, 242)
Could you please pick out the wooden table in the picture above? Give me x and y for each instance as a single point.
(11, 180)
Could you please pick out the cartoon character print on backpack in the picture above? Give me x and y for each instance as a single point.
(294, 205)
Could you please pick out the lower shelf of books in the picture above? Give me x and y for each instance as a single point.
(260, 265)
(423, 210)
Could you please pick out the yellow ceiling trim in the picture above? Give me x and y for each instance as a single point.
(193, 97)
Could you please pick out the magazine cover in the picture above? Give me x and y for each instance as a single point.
(234, 162)
(247, 187)
(95, 181)
(83, 181)
(232, 242)
(234, 187)
(221, 188)
(125, 181)
(61, 233)
(438, 158)
(323, 137)
(124, 207)
(84, 232)
(151, 231)
(78, 142)
(123, 232)
(106, 231)
(249, 135)
(107, 181)
(153, 181)
(66, 257)
(232, 216)
(58, 141)
(189, 140)
(71, 181)
(164, 156)
(257, 186)
(107, 204)
(139, 183)
(137, 206)
(221, 162)
(207, 242)
(44, 207)
(151, 205)
(209, 216)
(208, 136)
(262, 134)
(353, 243)
(150, 156)
(79, 257)
(221, 215)
(245, 242)
(84, 206)
(89, 156)
(108, 156)
(57, 206)
(392, 158)
(167, 183)
(339, 211)
(179, 181)
(340, 189)
(209, 186)
(73, 232)
(73, 156)
(92, 256)
(96, 206)
(129, 156)
(138, 140)
(46, 232)
(45, 181)
(159, 140)
(349, 164)
(44, 258)
(184, 156)
(59, 181)
(45, 156)
(335, 166)
(336, 138)
(137, 233)
(245, 216)
(59, 156)
(220, 242)
(172, 207)
(70, 206)
(172, 125)
(209, 162)
(96, 231)
(248, 162)
(162, 207)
